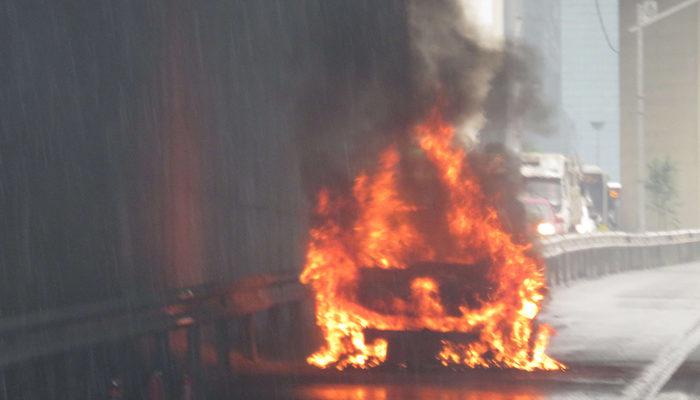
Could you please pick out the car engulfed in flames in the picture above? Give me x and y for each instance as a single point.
(383, 258)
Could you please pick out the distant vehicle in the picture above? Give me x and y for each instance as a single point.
(554, 177)
(613, 198)
(594, 188)
(541, 217)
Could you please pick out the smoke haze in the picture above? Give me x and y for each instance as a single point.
(383, 78)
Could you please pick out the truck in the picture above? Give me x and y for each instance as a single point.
(555, 177)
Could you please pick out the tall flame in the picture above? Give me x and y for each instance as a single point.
(384, 234)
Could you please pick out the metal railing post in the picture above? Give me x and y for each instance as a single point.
(194, 362)
(251, 336)
(223, 344)
(163, 361)
(274, 315)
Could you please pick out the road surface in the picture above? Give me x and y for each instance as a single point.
(612, 332)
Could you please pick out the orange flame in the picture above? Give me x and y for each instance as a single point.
(384, 234)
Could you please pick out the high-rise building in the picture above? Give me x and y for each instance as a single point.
(577, 68)
(665, 76)
(570, 48)
(535, 25)
(589, 81)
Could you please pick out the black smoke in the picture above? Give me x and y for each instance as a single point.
(372, 78)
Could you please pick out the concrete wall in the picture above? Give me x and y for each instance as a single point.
(151, 144)
(672, 88)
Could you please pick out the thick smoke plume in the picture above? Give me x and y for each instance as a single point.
(381, 67)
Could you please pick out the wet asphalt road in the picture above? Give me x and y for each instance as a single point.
(489, 386)
(685, 382)
(609, 330)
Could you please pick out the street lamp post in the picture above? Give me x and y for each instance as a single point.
(647, 14)
(597, 126)
(641, 139)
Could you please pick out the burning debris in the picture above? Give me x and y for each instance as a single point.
(415, 242)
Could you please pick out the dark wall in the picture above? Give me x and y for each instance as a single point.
(149, 144)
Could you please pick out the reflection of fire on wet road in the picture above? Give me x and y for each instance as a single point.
(421, 216)
(350, 392)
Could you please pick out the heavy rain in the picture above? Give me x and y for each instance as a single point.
(349, 199)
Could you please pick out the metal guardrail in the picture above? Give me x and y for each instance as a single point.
(572, 257)
(23, 339)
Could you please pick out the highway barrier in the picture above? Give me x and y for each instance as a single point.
(277, 303)
(573, 257)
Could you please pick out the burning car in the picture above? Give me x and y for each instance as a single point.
(392, 260)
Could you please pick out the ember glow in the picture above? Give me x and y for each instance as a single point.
(379, 229)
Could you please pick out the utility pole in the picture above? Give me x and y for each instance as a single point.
(647, 14)
(641, 139)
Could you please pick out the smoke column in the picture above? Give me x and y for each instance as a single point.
(383, 76)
